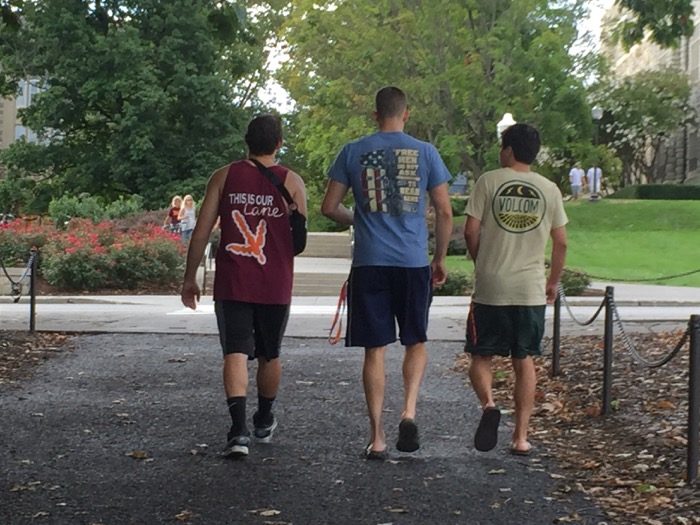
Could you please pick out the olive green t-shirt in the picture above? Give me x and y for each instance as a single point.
(517, 212)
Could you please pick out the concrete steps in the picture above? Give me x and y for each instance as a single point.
(320, 271)
(334, 245)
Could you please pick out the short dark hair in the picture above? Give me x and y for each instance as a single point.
(264, 134)
(524, 140)
(390, 102)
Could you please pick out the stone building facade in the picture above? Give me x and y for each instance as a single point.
(679, 158)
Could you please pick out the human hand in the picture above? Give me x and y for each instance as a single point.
(552, 289)
(439, 273)
(190, 294)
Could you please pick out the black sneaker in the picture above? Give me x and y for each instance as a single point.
(264, 427)
(237, 446)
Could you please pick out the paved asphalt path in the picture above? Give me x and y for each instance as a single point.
(67, 432)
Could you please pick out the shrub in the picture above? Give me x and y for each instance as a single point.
(86, 206)
(659, 192)
(124, 207)
(457, 283)
(89, 257)
(18, 237)
(574, 282)
(458, 205)
(67, 207)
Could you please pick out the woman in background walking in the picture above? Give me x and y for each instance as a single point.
(188, 218)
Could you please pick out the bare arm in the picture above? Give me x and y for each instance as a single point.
(440, 199)
(332, 206)
(558, 258)
(295, 186)
(472, 234)
(208, 215)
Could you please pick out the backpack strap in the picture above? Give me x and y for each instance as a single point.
(274, 179)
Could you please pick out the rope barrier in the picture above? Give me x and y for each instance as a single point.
(653, 279)
(632, 349)
(571, 313)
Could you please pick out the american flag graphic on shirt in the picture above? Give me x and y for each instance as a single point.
(390, 182)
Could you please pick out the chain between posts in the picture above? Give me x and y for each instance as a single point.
(571, 313)
(632, 349)
(16, 286)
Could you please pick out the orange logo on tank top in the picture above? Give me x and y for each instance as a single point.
(254, 244)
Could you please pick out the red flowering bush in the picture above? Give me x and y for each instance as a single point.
(89, 256)
(17, 238)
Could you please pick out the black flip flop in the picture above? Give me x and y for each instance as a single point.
(486, 435)
(374, 455)
(408, 436)
(518, 452)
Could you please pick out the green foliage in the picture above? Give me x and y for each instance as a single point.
(665, 22)
(640, 111)
(87, 206)
(144, 97)
(458, 205)
(659, 192)
(458, 283)
(462, 64)
(574, 282)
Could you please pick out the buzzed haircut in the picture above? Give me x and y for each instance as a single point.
(264, 134)
(390, 102)
(524, 140)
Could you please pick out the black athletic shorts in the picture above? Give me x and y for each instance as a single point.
(380, 297)
(510, 331)
(250, 328)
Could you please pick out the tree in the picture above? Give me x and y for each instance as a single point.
(137, 96)
(665, 22)
(463, 64)
(641, 111)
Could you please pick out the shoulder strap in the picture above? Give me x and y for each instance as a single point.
(274, 179)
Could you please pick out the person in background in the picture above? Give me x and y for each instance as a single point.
(172, 219)
(393, 176)
(577, 178)
(511, 214)
(594, 176)
(188, 218)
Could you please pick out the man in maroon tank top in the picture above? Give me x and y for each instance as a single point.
(253, 280)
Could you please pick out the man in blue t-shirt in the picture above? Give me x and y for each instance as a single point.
(392, 175)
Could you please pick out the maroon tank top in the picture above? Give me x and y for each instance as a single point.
(255, 259)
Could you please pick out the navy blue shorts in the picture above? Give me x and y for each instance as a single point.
(250, 328)
(509, 331)
(380, 297)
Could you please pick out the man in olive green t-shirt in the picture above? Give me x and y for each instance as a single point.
(512, 212)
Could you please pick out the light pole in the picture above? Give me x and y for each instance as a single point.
(503, 124)
(597, 115)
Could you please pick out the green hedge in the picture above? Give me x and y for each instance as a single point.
(659, 192)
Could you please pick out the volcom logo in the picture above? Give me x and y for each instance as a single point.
(518, 206)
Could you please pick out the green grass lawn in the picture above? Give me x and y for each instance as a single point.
(613, 240)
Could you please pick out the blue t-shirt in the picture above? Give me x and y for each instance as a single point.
(390, 174)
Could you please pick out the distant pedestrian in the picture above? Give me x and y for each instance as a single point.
(512, 212)
(392, 176)
(594, 176)
(172, 219)
(576, 178)
(188, 218)
(254, 268)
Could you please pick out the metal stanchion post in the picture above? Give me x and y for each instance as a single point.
(32, 290)
(608, 349)
(556, 337)
(694, 400)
